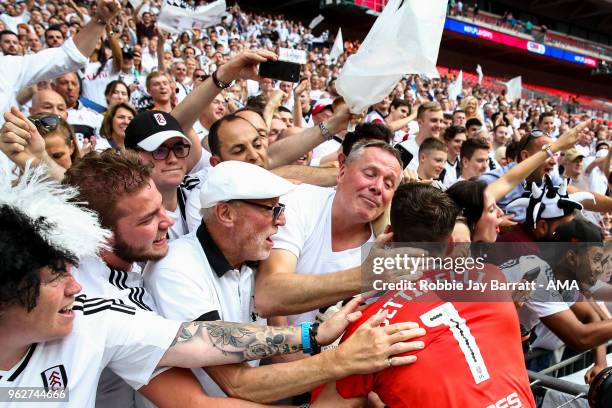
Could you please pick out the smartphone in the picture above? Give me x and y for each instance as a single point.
(531, 275)
(281, 70)
(405, 155)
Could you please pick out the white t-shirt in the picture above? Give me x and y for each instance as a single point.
(542, 302)
(192, 208)
(11, 22)
(374, 117)
(179, 228)
(451, 174)
(106, 333)
(86, 122)
(322, 150)
(186, 286)
(307, 235)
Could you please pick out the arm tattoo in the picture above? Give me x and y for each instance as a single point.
(244, 341)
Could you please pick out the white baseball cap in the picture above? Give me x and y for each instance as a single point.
(236, 180)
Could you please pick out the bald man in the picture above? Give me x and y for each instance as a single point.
(49, 101)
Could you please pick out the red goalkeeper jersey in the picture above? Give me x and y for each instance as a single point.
(472, 356)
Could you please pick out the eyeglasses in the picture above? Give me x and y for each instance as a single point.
(277, 210)
(45, 123)
(535, 133)
(201, 77)
(180, 150)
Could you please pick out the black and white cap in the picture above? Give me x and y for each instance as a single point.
(149, 130)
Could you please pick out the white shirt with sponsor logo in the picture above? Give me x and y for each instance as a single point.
(106, 333)
(86, 122)
(190, 284)
(307, 235)
(542, 302)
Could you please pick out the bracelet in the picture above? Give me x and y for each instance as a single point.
(325, 131)
(218, 83)
(316, 348)
(546, 148)
(306, 347)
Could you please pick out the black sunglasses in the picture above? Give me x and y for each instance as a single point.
(277, 210)
(180, 150)
(534, 134)
(45, 123)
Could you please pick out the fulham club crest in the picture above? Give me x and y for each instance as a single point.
(55, 378)
(159, 118)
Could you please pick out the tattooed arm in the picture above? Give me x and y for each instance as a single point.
(201, 344)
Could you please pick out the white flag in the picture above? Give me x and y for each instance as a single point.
(514, 87)
(455, 88)
(405, 39)
(316, 21)
(480, 74)
(177, 16)
(338, 47)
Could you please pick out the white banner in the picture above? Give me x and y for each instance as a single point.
(338, 47)
(480, 74)
(316, 21)
(455, 88)
(405, 39)
(177, 16)
(515, 87)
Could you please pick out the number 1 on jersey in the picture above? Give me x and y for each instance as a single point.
(446, 314)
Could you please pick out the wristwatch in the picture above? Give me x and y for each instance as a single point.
(546, 148)
(327, 135)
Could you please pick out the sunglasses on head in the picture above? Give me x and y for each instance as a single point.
(534, 134)
(180, 150)
(45, 123)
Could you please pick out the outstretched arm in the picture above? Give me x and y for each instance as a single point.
(87, 38)
(242, 66)
(502, 186)
(200, 344)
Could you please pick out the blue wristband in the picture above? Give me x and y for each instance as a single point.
(306, 346)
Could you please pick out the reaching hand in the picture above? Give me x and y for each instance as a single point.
(107, 9)
(20, 140)
(302, 87)
(570, 138)
(333, 327)
(371, 346)
(244, 65)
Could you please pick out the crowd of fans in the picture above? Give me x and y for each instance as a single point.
(194, 190)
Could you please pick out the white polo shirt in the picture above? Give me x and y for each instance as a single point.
(307, 235)
(194, 281)
(106, 333)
